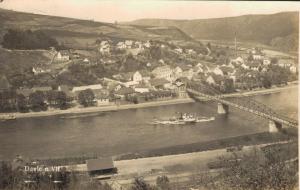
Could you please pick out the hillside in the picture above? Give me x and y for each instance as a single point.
(271, 29)
(80, 33)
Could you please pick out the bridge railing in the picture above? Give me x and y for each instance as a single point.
(251, 105)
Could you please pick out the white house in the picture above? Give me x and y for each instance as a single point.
(163, 72)
(92, 87)
(190, 51)
(128, 44)
(141, 88)
(121, 45)
(285, 62)
(254, 66)
(86, 60)
(245, 66)
(137, 77)
(177, 72)
(147, 44)
(218, 71)
(239, 60)
(257, 57)
(37, 70)
(178, 50)
(104, 47)
(63, 55)
(266, 61)
(293, 69)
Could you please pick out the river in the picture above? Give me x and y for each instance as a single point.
(128, 131)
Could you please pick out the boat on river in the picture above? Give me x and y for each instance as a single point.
(184, 118)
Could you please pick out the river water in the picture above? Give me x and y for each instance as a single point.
(128, 131)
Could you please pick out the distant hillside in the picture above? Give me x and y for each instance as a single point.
(271, 29)
(80, 33)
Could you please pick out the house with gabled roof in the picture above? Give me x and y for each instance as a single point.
(121, 45)
(218, 71)
(255, 65)
(63, 55)
(4, 84)
(165, 72)
(124, 91)
(101, 167)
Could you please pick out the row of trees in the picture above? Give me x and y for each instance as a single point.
(10, 101)
(37, 101)
(275, 75)
(19, 39)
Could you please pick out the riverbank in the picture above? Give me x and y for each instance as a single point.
(88, 110)
(262, 91)
(96, 109)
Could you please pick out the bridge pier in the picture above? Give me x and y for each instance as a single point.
(223, 108)
(274, 126)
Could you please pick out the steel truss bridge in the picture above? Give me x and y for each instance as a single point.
(244, 103)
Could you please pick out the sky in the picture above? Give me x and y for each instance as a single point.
(122, 10)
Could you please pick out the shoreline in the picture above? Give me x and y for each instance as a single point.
(142, 105)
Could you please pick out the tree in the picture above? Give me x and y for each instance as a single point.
(37, 101)
(250, 57)
(21, 103)
(256, 170)
(86, 97)
(163, 182)
(140, 184)
(61, 99)
(266, 82)
(228, 86)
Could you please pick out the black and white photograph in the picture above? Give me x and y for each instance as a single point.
(149, 95)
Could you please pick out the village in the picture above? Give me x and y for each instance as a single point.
(148, 95)
(133, 72)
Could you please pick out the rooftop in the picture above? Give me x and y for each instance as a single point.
(92, 87)
(125, 91)
(99, 164)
